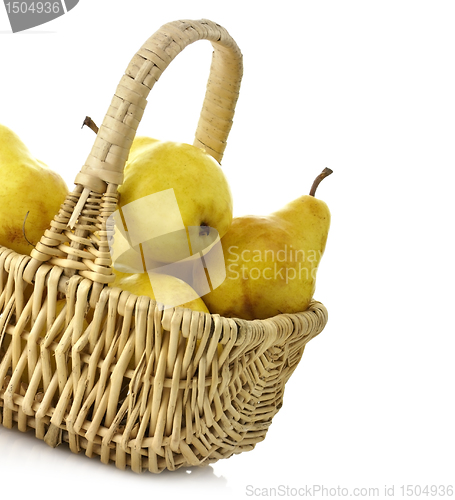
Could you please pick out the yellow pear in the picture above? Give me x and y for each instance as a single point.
(270, 261)
(175, 200)
(140, 143)
(118, 276)
(27, 186)
(165, 289)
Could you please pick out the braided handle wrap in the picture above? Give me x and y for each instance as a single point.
(110, 151)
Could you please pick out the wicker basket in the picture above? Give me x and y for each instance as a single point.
(115, 374)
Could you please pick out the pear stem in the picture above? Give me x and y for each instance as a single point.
(90, 124)
(325, 173)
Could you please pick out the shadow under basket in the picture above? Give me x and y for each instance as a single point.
(117, 375)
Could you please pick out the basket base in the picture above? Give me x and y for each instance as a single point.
(142, 460)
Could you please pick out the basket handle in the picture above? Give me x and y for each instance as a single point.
(110, 151)
(102, 173)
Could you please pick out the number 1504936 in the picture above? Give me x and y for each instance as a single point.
(415, 490)
(33, 7)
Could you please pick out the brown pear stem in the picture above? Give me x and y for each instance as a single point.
(325, 173)
(90, 124)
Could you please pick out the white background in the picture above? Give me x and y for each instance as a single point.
(365, 88)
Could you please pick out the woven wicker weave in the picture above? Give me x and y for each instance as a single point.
(114, 374)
